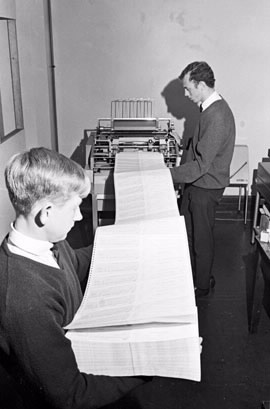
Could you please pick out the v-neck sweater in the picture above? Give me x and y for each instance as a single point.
(211, 150)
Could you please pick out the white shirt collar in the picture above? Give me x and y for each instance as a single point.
(28, 244)
(213, 97)
(38, 250)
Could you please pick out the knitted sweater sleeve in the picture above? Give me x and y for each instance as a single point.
(80, 258)
(36, 300)
(49, 365)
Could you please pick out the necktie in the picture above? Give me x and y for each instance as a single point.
(55, 251)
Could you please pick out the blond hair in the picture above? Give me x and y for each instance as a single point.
(41, 173)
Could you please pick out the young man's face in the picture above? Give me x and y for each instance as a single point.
(62, 218)
(192, 90)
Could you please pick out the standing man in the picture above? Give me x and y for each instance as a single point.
(206, 170)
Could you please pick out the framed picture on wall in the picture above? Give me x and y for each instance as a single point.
(11, 115)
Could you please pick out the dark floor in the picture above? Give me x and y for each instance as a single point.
(235, 363)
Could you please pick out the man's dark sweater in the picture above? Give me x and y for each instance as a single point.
(36, 302)
(209, 156)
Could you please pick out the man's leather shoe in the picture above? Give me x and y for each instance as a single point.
(200, 292)
(212, 282)
(203, 292)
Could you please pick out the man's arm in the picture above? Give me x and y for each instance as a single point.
(80, 258)
(45, 357)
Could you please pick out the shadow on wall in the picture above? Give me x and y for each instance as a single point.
(82, 235)
(79, 154)
(180, 107)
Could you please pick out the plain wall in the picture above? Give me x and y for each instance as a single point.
(31, 39)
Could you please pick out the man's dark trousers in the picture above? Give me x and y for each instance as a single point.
(198, 206)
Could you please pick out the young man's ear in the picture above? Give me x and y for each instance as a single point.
(202, 84)
(43, 214)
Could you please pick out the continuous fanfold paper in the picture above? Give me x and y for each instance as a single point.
(138, 315)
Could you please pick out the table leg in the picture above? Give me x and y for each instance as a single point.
(255, 217)
(257, 297)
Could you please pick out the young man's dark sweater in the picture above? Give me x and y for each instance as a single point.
(36, 302)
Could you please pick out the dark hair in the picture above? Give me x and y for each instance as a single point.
(199, 71)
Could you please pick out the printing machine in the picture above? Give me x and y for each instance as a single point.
(131, 127)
